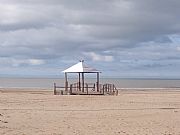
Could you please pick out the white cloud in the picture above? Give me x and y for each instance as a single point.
(98, 57)
(51, 32)
(31, 62)
(35, 62)
(178, 48)
(19, 62)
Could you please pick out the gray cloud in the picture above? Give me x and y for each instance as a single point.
(129, 34)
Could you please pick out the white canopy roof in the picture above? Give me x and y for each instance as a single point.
(80, 68)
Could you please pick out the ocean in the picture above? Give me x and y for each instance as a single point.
(119, 82)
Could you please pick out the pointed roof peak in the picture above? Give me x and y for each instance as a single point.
(80, 67)
(81, 60)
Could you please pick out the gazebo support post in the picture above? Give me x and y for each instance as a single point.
(98, 82)
(54, 88)
(79, 81)
(66, 82)
(82, 82)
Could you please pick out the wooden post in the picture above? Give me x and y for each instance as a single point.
(66, 82)
(87, 88)
(79, 82)
(70, 91)
(103, 89)
(54, 88)
(82, 82)
(98, 82)
(109, 87)
(106, 88)
(94, 87)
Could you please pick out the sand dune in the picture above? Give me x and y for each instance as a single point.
(130, 113)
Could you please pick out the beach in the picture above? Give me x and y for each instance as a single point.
(132, 112)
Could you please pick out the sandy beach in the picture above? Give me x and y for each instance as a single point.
(152, 112)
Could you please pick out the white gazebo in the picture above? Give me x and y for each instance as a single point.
(80, 68)
(81, 87)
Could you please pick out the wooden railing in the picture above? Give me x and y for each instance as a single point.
(109, 89)
(75, 88)
(89, 89)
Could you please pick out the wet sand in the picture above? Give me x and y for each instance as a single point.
(152, 112)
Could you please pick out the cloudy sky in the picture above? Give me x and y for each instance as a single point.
(123, 38)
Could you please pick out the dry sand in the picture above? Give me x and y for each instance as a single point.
(131, 113)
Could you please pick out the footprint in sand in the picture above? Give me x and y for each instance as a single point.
(3, 121)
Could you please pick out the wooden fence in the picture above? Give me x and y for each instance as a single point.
(88, 89)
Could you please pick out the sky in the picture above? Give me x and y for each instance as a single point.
(121, 38)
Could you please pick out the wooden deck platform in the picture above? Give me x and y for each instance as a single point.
(89, 89)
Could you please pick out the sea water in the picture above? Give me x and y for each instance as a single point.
(118, 82)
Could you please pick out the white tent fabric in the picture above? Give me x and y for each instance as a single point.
(80, 68)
